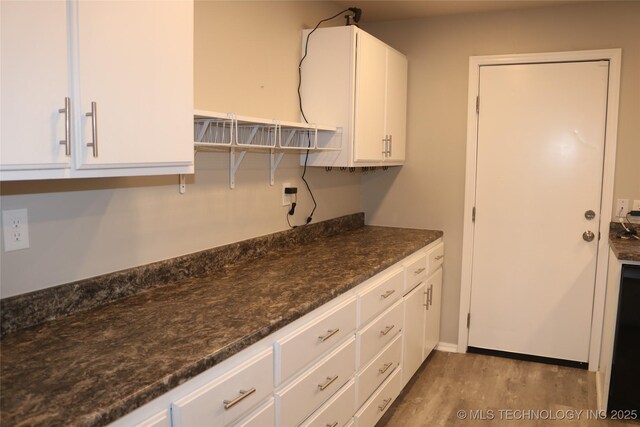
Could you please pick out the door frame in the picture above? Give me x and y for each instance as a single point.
(606, 207)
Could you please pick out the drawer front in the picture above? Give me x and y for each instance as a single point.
(311, 389)
(159, 420)
(380, 402)
(379, 333)
(221, 401)
(436, 257)
(265, 416)
(380, 296)
(311, 341)
(338, 411)
(415, 271)
(370, 378)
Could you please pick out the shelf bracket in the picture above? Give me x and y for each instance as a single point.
(182, 187)
(234, 165)
(274, 162)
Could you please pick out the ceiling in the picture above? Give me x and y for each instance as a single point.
(390, 10)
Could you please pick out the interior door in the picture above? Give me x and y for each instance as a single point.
(540, 154)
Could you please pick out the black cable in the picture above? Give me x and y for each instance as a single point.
(306, 158)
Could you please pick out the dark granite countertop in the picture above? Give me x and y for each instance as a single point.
(624, 249)
(92, 367)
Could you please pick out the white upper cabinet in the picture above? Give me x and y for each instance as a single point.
(127, 68)
(34, 85)
(354, 81)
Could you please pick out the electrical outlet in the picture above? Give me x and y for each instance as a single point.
(15, 228)
(622, 207)
(287, 199)
(636, 205)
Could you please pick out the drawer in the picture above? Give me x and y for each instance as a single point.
(312, 388)
(338, 411)
(380, 402)
(221, 401)
(379, 369)
(380, 295)
(264, 416)
(380, 332)
(435, 257)
(308, 343)
(415, 270)
(159, 420)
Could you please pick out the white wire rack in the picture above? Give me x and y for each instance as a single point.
(239, 134)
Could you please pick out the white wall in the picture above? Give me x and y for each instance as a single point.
(428, 192)
(246, 60)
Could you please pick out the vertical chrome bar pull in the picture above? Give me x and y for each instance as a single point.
(94, 128)
(67, 126)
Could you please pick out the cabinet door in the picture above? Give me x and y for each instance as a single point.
(396, 105)
(34, 86)
(414, 322)
(371, 63)
(135, 61)
(432, 310)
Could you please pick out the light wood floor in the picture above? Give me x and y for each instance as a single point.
(451, 382)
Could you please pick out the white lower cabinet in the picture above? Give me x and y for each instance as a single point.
(264, 416)
(229, 397)
(307, 392)
(341, 365)
(377, 405)
(338, 411)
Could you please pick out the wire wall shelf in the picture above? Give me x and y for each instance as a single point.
(240, 134)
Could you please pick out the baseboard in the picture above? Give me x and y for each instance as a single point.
(447, 346)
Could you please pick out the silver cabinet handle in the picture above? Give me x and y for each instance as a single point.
(387, 294)
(327, 383)
(94, 128)
(67, 126)
(329, 334)
(385, 367)
(228, 404)
(335, 424)
(387, 330)
(430, 300)
(420, 270)
(384, 404)
(390, 145)
(439, 257)
(385, 140)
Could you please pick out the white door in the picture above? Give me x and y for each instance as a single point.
(34, 87)
(540, 151)
(136, 64)
(371, 75)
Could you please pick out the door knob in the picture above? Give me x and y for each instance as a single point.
(588, 236)
(589, 214)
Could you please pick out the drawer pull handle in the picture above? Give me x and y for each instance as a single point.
(439, 257)
(67, 126)
(327, 383)
(387, 330)
(384, 404)
(94, 128)
(228, 404)
(420, 270)
(388, 293)
(385, 367)
(329, 334)
(335, 424)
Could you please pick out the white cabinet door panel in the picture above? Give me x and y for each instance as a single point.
(432, 310)
(414, 325)
(396, 104)
(134, 62)
(34, 81)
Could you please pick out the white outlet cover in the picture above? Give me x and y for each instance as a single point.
(622, 207)
(15, 229)
(636, 205)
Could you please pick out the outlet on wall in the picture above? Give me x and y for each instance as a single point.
(15, 228)
(636, 205)
(287, 199)
(622, 207)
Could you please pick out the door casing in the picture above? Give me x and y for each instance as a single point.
(613, 94)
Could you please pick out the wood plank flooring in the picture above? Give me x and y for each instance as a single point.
(496, 392)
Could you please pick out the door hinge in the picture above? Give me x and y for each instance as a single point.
(478, 104)
(468, 320)
(473, 214)
(598, 236)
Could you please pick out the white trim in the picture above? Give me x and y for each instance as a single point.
(614, 58)
(448, 347)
